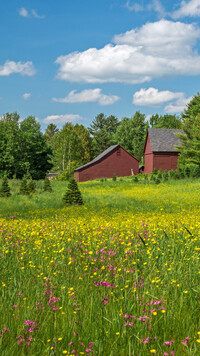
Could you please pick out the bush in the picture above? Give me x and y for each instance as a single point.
(157, 180)
(165, 175)
(31, 186)
(47, 185)
(5, 189)
(195, 172)
(187, 171)
(73, 194)
(114, 178)
(24, 186)
(135, 178)
(155, 171)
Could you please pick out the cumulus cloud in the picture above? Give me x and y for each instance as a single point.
(155, 5)
(26, 96)
(88, 96)
(11, 67)
(24, 13)
(134, 7)
(154, 97)
(190, 8)
(163, 48)
(61, 119)
(178, 106)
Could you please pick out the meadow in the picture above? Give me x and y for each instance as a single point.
(118, 276)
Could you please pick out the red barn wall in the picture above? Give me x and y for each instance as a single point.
(165, 161)
(148, 163)
(118, 162)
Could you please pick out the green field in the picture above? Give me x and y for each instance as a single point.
(117, 276)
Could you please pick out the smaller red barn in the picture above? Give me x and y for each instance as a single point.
(115, 160)
(160, 151)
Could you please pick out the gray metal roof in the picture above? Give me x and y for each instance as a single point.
(99, 157)
(164, 140)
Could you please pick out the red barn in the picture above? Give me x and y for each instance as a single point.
(115, 160)
(160, 151)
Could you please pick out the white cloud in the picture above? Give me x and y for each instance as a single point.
(134, 7)
(155, 5)
(61, 119)
(178, 106)
(88, 96)
(26, 96)
(163, 48)
(23, 12)
(153, 97)
(11, 67)
(35, 14)
(190, 8)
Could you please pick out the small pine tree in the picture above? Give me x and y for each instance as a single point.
(24, 186)
(5, 189)
(31, 186)
(47, 185)
(157, 180)
(165, 176)
(73, 194)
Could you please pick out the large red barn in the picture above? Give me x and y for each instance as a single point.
(160, 151)
(115, 160)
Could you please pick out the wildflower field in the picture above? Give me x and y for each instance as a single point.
(117, 276)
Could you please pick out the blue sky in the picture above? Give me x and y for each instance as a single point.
(67, 61)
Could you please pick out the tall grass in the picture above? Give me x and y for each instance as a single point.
(117, 276)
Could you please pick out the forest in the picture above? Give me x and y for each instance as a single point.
(24, 148)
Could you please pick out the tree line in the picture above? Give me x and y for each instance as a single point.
(25, 149)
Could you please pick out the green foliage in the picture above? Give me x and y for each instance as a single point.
(165, 175)
(24, 186)
(71, 144)
(114, 177)
(135, 179)
(5, 189)
(22, 145)
(189, 147)
(155, 171)
(166, 121)
(27, 186)
(159, 175)
(102, 130)
(73, 194)
(47, 185)
(187, 171)
(157, 180)
(131, 134)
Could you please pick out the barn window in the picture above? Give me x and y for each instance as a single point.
(118, 153)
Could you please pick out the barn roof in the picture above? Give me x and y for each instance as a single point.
(102, 155)
(164, 140)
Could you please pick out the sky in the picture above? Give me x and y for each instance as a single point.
(69, 60)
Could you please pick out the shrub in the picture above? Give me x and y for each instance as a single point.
(195, 172)
(165, 175)
(114, 178)
(47, 185)
(5, 189)
(155, 171)
(135, 178)
(73, 194)
(187, 171)
(157, 180)
(31, 186)
(24, 186)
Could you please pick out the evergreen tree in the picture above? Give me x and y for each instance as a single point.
(5, 189)
(24, 186)
(73, 194)
(47, 185)
(190, 139)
